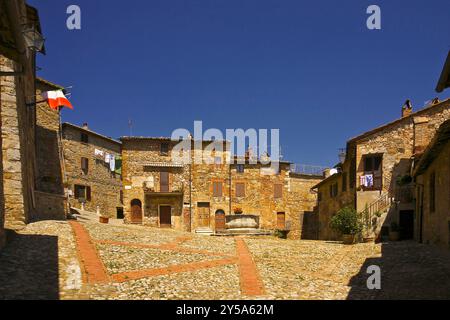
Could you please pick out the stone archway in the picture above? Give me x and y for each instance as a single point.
(220, 220)
(136, 211)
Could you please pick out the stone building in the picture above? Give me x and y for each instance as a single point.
(375, 177)
(432, 177)
(160, 190)
(49, 193)
(92, 164)
(19, 41)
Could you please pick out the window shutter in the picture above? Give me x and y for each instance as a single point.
(240, 189)
(88, 193)
(278, 191)
(217, 189)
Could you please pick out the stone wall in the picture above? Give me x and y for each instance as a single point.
(436, 224)
(191, 188)
(18, 153)
(50, 199)
(104, 184)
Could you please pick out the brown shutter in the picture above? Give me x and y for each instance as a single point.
(278, 191)
(88, 193)
(217, 189)
(85, 165)
(164, 181)
(240, 189)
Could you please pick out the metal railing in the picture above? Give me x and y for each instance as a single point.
(375, 209)
(307, 169)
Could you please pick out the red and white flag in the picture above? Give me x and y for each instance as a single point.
(56, 99)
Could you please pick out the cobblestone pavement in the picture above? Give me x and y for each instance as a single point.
(88, 260)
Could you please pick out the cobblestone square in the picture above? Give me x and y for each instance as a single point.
(88, 260)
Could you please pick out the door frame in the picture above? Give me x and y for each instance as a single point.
(159, 213)
(142, 211)
(209, 214)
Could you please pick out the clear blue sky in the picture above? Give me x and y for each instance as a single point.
(310, 68)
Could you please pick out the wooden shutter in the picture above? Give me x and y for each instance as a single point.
(88, 193)
(217, 189)
(164, 181)
(278, 191)
(240, 189)
(85, 165)
(281, 220)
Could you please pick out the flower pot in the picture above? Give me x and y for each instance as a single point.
(104, 219)
(348, 238)
(394, 235)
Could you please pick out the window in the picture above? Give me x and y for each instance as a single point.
(84, 138)
(217, 189)
(240, 189)
(373, 166)
(164, 181)
(218, 161)
(164, 148)
(85, 165)
(432, 189)
(278, 191)
(240, 168)
(333, 190)
(83, 193)
(344, 181)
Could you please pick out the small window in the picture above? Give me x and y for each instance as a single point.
(278, 191)
(344, 181)
(164, 148)
(85, 165)
(217, 189)
(84, 138)
(82, 193)
(240, 189)
(432, 189)
(217, 161)
(333, 190)
(240, 168)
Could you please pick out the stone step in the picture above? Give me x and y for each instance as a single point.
(204, 231)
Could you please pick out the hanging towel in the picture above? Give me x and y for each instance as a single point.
(112, 163)
(99, 152)
(362, 181)
(107, 157)
(369, 180)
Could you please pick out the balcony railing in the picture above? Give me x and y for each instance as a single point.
(307, 169)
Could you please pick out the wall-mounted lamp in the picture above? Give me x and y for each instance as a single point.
(33, 39)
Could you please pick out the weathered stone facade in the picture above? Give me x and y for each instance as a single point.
(97, 186)
(394, 146)
(17, 89)
(198, 192)
(50, 199)
(432, 175)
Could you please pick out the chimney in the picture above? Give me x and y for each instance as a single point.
(407, 108)
(85, 125)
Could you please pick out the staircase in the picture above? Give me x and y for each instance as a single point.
(204, 231)
(374, 214)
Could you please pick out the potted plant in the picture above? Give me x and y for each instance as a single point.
(347, 223)
(237, 210)
(394, 232)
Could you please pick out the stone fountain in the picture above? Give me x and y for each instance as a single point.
(242, 224)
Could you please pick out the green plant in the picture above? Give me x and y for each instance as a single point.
(394, 227)
(404, 180)
(282, 234)
(378, 214)
(346, 221)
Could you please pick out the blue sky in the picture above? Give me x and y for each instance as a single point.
(310, 68)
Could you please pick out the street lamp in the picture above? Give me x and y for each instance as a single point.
(33, 39)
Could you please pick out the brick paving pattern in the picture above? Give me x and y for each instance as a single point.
(88, 260)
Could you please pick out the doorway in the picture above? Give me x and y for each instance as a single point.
(220, 220)
(406, 224)
(165, 216)
(119, 211)
(203, 214)
(136, 211)
(281, 221)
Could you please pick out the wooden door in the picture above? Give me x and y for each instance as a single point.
(220, 220)
(136, 211)
(164, 181)
(165, 216)
(203, 214)
(281, 220)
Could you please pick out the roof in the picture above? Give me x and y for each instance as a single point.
(48, 83)
(163, 164)
(444, 79)
(131, 138)
(437, 144)
(397, 121)
(327, 179)
(67, 124)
